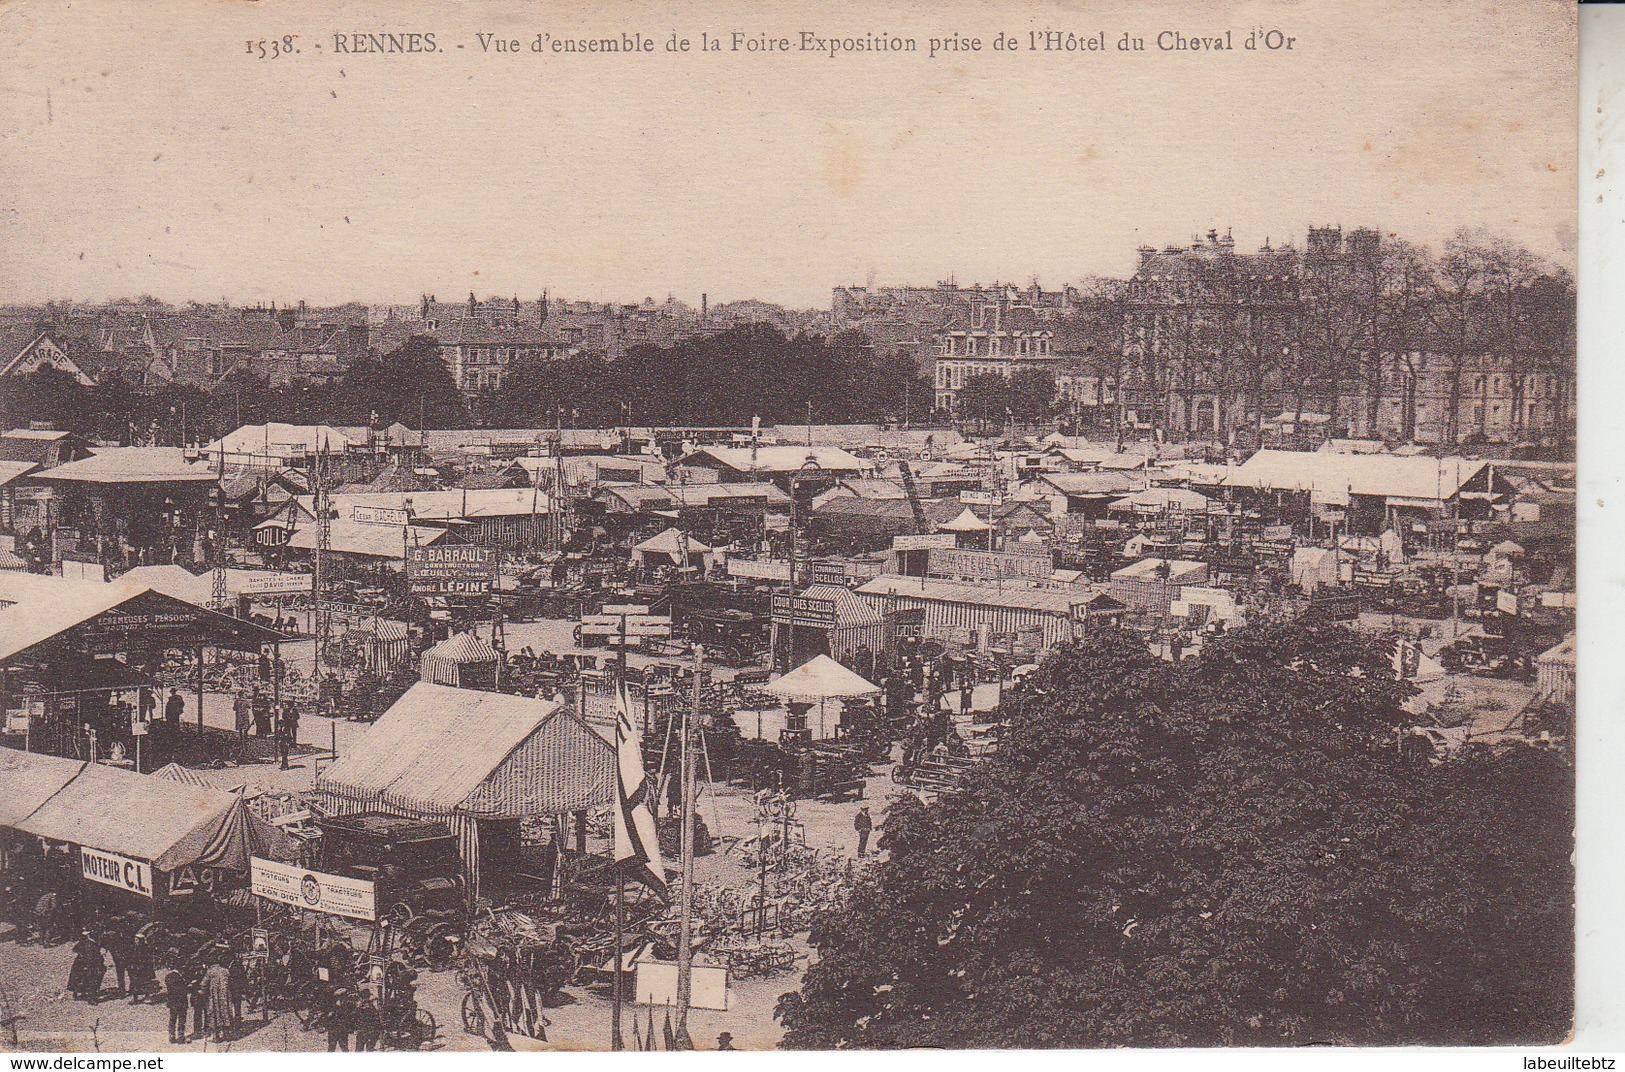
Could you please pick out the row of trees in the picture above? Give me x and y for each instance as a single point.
(1026, 395)
(410, 385)
(1340, 333)
(723, 379)
(1480, 295)
(1239, 850)
(1348, 331)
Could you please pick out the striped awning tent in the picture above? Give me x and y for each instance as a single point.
(174, 772)
(443, 663)
(385, 641)
(462, 755)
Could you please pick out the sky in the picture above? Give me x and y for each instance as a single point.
(143, 150)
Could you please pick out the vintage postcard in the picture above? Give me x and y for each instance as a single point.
(1046, 524)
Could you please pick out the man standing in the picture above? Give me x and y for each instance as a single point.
(864, 825)
(287, 730)
(242, 708)
(174, 708)
(117, 943)
(340, 1014)
(176, 996)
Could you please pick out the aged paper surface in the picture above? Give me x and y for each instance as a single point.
(1117, 458)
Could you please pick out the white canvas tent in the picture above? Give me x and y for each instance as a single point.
(822, 679)
(669, 547)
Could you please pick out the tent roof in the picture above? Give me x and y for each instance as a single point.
(360, 538)
(154, 819)
(174, 772)
(439, 746)
(850, 611)
(669, 542)
(28, 780)
(35, 608)
(132, 465)
(463, 648)
(1161, 498)
(966, 521)
(382, 628)
(777, 459)
(821, 678)
(1054, 601)
(1431, 479)
(10, 471)
(1082, 484)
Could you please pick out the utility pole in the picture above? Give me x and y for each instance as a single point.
(217, 593)
(324, 536)
(616, 1041)
(685, 940)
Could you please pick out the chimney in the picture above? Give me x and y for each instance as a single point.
(705, 306)
(541, 309)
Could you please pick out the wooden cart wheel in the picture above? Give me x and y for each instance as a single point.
(473, 1014)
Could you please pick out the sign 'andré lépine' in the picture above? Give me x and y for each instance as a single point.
(460, 569)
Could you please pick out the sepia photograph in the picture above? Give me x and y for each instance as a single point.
(1047, 525)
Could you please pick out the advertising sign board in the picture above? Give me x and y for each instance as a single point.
(657, 985)
(277, 584)
(120, 872)
(319, 892)
(379, 515)
(929, 541)
(455, 569)
(802, 610)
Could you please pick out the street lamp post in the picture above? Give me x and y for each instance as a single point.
(808, 467)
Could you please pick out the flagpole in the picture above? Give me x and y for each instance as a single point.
(685, 947)
(616, 1042)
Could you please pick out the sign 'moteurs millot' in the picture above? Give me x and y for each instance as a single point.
(469, 569)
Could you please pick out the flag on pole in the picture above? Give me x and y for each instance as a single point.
(637, 848)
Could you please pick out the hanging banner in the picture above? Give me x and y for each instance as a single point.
(926, 542)
(809, 611)
(335, 895)
(380, 515)
(119, 872)
(456, 569)
(277, 584)
(656, 984)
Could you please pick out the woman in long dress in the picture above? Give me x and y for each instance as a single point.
(217, 998)
(88, 969)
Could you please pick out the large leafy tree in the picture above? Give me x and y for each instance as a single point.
(1238, 850)
(725, 378)
(48, 394)
(410, 384)
(984, 397)
(1032, 393)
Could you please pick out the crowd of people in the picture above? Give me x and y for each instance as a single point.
(210, 985)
